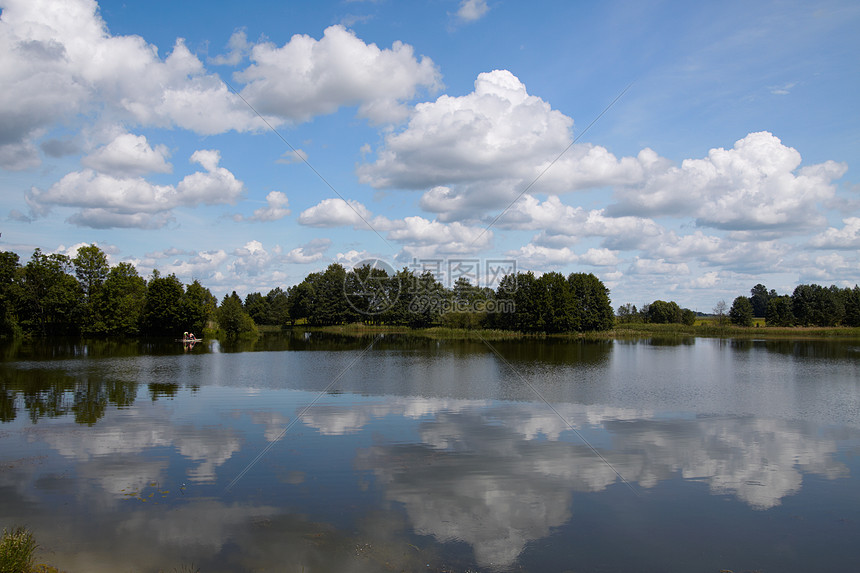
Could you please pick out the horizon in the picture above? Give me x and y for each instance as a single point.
(676, 152)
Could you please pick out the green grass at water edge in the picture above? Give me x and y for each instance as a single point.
(708, 328)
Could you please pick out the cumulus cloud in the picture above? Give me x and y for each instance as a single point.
(758, 184)
(237, 49)
(307, 77)
(252, 259)
(129, 155)
(335, 213)
(308, 253)
(564, 224)
(479, 151)
(848, 237)
(540, 256)
(422, 238)
(277, 207)
(57, 60)
(105, 201)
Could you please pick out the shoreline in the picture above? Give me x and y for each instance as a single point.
(621, 331)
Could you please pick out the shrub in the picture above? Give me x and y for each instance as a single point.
(17, 549)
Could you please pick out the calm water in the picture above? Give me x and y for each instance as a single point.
(319, 453)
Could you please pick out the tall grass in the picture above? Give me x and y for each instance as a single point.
(17, 550)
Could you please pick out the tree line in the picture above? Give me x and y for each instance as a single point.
(807, 305)
(54, 294)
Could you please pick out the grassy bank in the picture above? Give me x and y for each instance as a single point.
(435, 332)
(704, 328)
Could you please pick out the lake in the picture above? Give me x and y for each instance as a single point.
(314, 452)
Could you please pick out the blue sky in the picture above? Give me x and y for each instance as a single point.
(731, 159)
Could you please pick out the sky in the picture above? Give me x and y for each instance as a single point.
(679, 151)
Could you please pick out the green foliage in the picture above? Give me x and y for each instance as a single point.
(851, 303)
(662, 312)
(628, 313)
(779, 312)
(233, 319)
(278, 307)
(10, 293)
(741, 313)
(197, 308)
(17, 551)
(162, 310)
(301, 299)
(121, 302)
(759, 298)
(50, 295)
(595, 307)
(815, 305)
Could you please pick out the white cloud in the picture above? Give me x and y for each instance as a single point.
(471, 10)
(686, 247)
(754, 185)
(532, 256)
(251, 260)
(707, 281)
(308, 253)
(129, 155)
(292, 156)
(105, 201)
(422, 238)
(57, 60)
(848, 237)
(277, 207)
(479, 151)
(563, 224)
(238, 49)
(643, 266)
(335, 213)
(307, 77)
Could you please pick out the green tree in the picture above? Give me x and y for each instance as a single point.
(741, 313)
(91, 270)
(662, 312)
(779, 312)
(815, 305)
(688, 317)
(301, 300)
(162, 311)
(51, 296)
(257, 307)
(121, 301)
(279, 307)
(233, 319)
(759, 297)
(331, 306)
(851, 303)
(591, 300)
(428, 298)
(10, 293)
(628, 313)
(197, 308)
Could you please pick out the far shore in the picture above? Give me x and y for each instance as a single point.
(705, 328)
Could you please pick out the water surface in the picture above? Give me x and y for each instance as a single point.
(322, 453)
